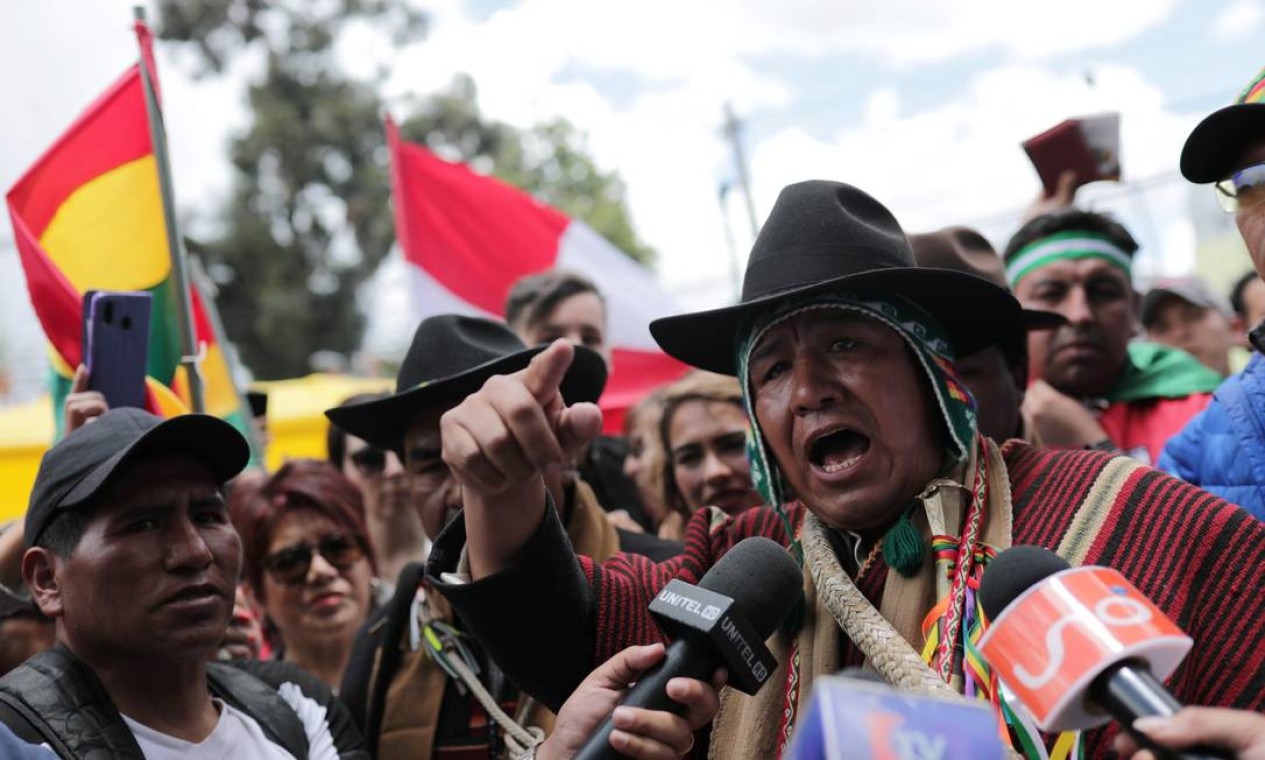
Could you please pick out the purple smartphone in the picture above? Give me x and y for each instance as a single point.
(116, 344)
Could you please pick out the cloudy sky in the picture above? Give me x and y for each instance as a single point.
(921, 102)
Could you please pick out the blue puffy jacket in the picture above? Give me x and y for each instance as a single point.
(1222, 449)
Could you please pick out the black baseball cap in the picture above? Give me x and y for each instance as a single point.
(83, 464)
(1217, 144)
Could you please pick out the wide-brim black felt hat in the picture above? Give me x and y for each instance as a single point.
(452, 356)
(963, 249)
(823, 236)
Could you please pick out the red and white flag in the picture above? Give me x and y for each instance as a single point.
(466, 238)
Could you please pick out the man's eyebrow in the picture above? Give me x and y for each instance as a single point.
(143, 509)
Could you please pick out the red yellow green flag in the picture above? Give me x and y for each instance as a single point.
(88, 215)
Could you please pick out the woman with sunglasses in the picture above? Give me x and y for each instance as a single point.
(308, 563)
(392, 521)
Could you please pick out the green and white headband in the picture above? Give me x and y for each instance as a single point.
(1065, 246)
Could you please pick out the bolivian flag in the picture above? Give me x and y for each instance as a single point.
(88, 215)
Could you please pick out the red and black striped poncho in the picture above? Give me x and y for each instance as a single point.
(1201, 559)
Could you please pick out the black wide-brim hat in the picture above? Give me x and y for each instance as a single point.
(1217, 144)
(451, 357)
(823, 236)
(963, 249)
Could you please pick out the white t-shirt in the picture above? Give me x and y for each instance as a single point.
(237, 735)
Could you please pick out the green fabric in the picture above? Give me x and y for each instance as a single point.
(903, 548)
(164, 334)
(58, 390)
(920, 332)
(1156, 371)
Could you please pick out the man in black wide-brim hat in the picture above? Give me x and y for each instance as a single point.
(451, 357)
(865, 446)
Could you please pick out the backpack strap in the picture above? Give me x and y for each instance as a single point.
(261, 702)
(62, 700)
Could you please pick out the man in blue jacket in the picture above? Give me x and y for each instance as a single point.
(1222, 450)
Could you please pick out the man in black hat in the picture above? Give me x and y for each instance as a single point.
(865, 444)
(997, 374)
(451, 357)
(1223, 449)
(131, 551)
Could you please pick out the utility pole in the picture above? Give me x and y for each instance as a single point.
(733, 132)
(735, 273)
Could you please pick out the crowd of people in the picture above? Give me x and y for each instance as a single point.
(468, 571)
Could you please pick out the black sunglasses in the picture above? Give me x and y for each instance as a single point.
(370, 460)
(290, 565)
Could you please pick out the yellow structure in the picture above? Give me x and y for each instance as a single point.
(296, 422)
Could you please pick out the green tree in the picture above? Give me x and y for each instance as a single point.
(308, 220)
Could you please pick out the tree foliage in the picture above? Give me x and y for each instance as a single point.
(309, 221)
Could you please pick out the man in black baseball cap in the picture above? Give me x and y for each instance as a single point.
(131, 552)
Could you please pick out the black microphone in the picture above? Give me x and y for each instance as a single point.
(724, 620)
(1088, 622)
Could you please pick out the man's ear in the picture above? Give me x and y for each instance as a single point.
(1138, 329)
(40, 568)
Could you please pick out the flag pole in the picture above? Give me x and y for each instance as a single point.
(207, 289)
(191, 354)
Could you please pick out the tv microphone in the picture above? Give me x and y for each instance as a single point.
(724, 620)
(1081, 646)
(851, 717)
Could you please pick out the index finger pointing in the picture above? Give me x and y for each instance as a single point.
(543, 376)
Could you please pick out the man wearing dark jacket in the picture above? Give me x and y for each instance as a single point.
(131, 552)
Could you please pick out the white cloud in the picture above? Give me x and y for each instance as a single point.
(958, 161)
(961, 163)
(1239, 18)
(955, 162)
(912, 31)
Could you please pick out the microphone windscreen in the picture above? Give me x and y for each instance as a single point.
(761, 577)
(1013, 572)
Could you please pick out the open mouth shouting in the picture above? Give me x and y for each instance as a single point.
(835, 452)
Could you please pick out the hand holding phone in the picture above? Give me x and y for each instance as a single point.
(82, 405)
